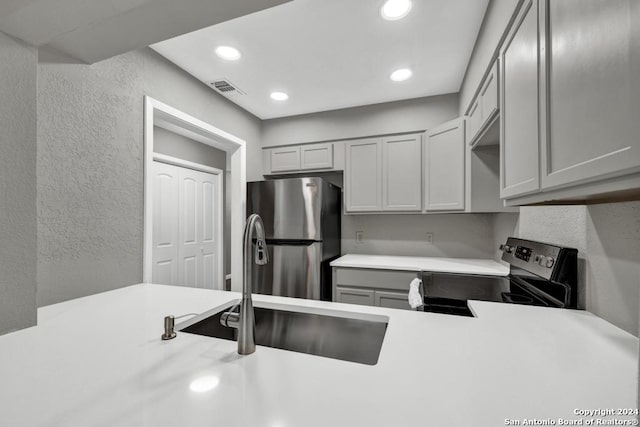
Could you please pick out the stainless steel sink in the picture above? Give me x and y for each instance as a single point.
(353, 337)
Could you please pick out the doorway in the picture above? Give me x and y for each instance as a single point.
(164, 116)
(187, 224)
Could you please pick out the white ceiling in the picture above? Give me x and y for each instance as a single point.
(93, 30)
(331, 54)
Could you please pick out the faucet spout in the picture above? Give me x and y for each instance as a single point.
(245, 321)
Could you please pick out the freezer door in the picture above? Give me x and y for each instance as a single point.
(289, 208)
(293, 270)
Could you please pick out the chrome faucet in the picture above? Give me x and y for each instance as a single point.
(244, 322)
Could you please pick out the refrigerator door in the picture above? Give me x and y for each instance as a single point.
(294, 270)
(289, 208)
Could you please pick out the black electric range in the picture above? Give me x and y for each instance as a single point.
(540, 274)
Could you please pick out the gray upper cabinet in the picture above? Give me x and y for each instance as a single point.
(445, 167)
(402, 173)
(296, 159)
(484, 109)
(316, 156)
(489, 95)
(474, 121)
(519, 124)
(285, 159)
(384, 174)
(363, 175)
(587, 91)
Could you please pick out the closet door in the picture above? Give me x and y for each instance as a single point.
(187, 227)
(165, 224)
(197, 233)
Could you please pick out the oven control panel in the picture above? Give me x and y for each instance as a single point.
(535, 257)
(523, 253)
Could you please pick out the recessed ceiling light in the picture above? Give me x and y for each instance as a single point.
(229, 53)
(392, 10)
(401, 74)
(279, 96)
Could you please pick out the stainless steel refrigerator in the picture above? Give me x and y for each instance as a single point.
(302, 225)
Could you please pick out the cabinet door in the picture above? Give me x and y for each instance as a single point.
(363, 176)
(474, 122)
(519, 134)
(285, 159)
(392, 300)
(402, 173)
(445, 167)
(489, 96)
(316, 156)
(354, 296)
(588, 99)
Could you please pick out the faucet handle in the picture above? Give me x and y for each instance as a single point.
(262, 255)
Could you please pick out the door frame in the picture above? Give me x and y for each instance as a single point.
(159, 114)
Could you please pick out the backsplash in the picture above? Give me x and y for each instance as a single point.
(454, 235)
(607, 237)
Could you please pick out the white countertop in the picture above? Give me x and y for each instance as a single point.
(434, 264)
(99, 361)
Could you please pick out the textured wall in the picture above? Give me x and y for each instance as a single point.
(607, 237)
(90, 144)
(391, 117)
(17, 185)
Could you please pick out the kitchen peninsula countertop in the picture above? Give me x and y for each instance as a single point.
(434, 264)
(99, 361)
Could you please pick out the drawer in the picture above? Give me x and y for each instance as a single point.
(354, 296)
(371, 278)
(392, 300)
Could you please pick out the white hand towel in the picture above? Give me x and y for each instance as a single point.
(415, 300)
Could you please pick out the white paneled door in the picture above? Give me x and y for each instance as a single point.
(187, 227)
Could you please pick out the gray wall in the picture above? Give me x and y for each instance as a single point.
(172, 144)
(392, 117)
(454, 235)
(90, 144)
(17, 185)
(607, 237)
(495, 22)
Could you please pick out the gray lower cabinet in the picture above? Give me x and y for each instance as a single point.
(391, 300)
(380, 288)
(354, 296)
